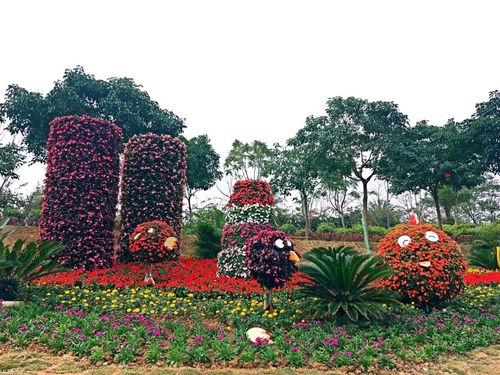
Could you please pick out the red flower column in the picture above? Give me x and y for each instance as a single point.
(81, 190)
(153, 177)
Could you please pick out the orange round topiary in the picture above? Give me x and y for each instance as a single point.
(428, 265)
(153, 242)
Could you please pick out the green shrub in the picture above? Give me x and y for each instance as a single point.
(288, 228)
(301, 232)
(326, 227)
(483, 255)
(343, 285)
(358, 228)
(460, 229)
(208, 240)
(25, 262)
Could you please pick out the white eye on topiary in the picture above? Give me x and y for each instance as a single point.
(289, 243)
(404, 241)
(151, 230)
(279, 243)
(431, 236)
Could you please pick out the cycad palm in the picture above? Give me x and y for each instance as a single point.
(343, 284)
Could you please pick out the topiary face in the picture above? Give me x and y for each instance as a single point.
(154, 241)
(428, 265)
(271, 259)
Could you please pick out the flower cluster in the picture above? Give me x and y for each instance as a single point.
(153, 242)
(153, 176)
(268, 258)
(428, 265)
(81, 190)
(247, 192)
(252, 213)
(231, 261)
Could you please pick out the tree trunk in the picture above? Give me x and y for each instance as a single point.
(342, 218)
(365, 203)
(305, 212)
(434, 194)
(189, 195)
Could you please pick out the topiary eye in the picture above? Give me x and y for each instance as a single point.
(289, 244)
(404, 241)
(431, 236)
(279, 243)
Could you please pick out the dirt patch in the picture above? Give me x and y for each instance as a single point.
(484, 361)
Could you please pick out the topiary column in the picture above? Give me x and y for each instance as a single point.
(153, 177)
(248, 212)
(81, 190)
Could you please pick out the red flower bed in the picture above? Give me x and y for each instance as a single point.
(473, 278)
(194, 274)
(251, 192)
(197, 275)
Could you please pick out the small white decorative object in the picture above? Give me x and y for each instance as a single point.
(151, 230)
(425, 264)
(258, 333)
(432, 236)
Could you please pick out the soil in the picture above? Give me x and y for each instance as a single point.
(485, 361)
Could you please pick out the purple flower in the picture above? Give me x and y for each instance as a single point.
(294, 349)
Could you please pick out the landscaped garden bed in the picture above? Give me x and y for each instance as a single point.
(193, 318)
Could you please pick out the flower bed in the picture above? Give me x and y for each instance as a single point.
(193, 274)
(358, 237)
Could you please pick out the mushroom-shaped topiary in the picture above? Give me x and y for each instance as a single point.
(153, 242)
(428, 265)
(271, 260)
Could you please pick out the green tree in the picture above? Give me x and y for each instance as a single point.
(119, 100)
(202, 167)
(297, 168)
(247, 160)
(428, 157)
(11, 158)
(482, 133)
(358, 131)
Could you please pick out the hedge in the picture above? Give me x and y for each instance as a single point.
(81, 190)
(153, 177)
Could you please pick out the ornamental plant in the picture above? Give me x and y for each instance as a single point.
(153, 242)
(428, 265)
(248, 192)
(342, 284)
(81, 190)
(153, 176)
(271, 261)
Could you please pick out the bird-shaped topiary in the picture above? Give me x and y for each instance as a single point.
(271, 260)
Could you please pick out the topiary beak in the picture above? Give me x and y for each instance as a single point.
(293, 256)
(170, 243)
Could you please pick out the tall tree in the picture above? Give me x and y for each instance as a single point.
(340, 196)
(483, 133)
(202, 167)
(119, 100)
(428, 157)
(358, 131)
(247, 160)
(297, 168)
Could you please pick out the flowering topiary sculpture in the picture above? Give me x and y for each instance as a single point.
(153, 242)
(271, 260)
(428, 265)
(154, 172)
(248, 212)
(81, 190)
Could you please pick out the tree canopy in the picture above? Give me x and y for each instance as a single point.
(247, 160)
(120, 100)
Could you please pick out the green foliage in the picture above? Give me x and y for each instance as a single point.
(247, 160)
(460, 229)
(326, 227)
(11, 158)
(120, 100)
(26, 262)
(10, 287)
(343, 285)
(483, 255)
(202, 166)
(208, 240)
(288, 228)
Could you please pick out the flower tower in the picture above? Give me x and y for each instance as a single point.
(428, 265)
(81, 190)
(248, 212)
(153, 177)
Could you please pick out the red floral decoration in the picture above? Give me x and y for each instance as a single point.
(153, 242)
(247, 192)
(237, 235)
(153, 176)
(268, 260)
(428, 265)
(81, 190)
